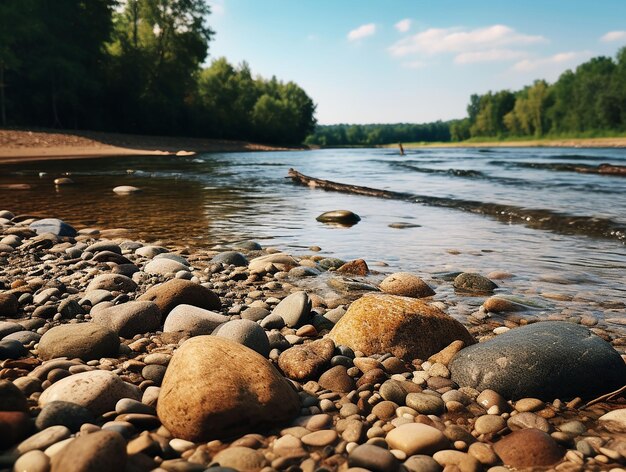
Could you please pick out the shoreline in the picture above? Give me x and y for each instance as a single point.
(39, 145)
(549, 143)
(156, 331)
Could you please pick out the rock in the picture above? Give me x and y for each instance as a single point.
(67, 414)
(545, 360)
(11, 397)
(193, 320)
(422, 463)
(112, 282)
(8, 327)
(163, 266)
(14, 427)
(97, 390)
(406, 285)
(528, 420)
(356, 267)
(344, 217)
(63, 181)
(614, 421)
(503, 304)
(425, 403)
(460, 460)
(407, 328)
(231, 258)
(32, 461)
(8, 305)
(396, 391)
(104, 246)
(44, 439)
(239, 458)
(54, 226)
(486, 424)
(528, 448)
(330, 263)
(24, 337)
(373, 458)
(470, 282)
(12, 349)
(216, 388)
(337, 379)
(86, 341)
(150, 251)
(447, 353)
(100, 451)
(126, 189)
(177, 292)
(294, 309)
(130, 318)
(282, 261)
(255, 313)
(304, 362)
(417, 438)
(247, 333)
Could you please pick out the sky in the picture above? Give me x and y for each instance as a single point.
(414, 61)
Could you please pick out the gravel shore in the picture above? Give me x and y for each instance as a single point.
(121, 355)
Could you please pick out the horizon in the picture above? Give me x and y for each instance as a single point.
(410, 62)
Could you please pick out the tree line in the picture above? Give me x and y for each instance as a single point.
(136, 67)
(377, 134)
(590, 99)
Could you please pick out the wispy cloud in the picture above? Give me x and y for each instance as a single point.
(217, 7)
(613, 36)
(413, 64)
(362, 31)
(560, 60)
(490, 55)
(458, 40)
(403, 25)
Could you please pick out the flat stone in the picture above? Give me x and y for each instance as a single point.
(321, 438)
(67, 414)
(406, 327)
(126, 190)
(282, 261)
(425, 403)
(528, 448)
(417, 438)
(245, 332)
(345, 217)
(422, 463)
(373, 458)
(163, 267)
(193, 320)
(240, 458)
(54, 226)
(86, 341)
(294, 309)
(216, 388)
(100, 451)
(489, 424)
(230, 258)
(44, 439)
(112, 282)
(406, 285)
(470, 282)
(150, 251)
(96, 390)
(130, 318)
(614, 421)
(305, 361)
(529, 404)
(546, 360)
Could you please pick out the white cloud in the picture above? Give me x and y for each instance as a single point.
(362, 31)
(451, 40)
(613, 36)
(489, 55)
(217, 7)
(413, 64)
(560, 60)
(403, 25)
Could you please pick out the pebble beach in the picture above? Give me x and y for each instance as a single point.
(118, 354)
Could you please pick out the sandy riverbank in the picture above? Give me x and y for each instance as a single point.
(582, 142)
(22, 145)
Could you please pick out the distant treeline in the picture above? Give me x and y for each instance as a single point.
(590, 99)
(367, 135)
(136, 67)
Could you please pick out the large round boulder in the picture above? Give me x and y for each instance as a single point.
(547, 360)
(406, 285)
(87, 341)
(177, 292)
(406, 327)
(217, 388)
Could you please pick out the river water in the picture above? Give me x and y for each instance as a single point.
(525, 211)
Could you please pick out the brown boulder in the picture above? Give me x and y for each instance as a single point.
(406, 327)
(101, 451)
(177, 291)
(8, 304)
(304, 362)
(217, 388)
(405, 284)
(86, 341)
(356, 267)
(528, 448)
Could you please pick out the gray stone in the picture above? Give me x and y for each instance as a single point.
(254, 313)
(344, 217)
(193, 320)
(545, 360)
(86, 341)
(245, 332)
(150, 251)
(67, 414)
(54, 226)
(331, 263)
(25, 337)
(231, 258)
(294, 309)
(131, 318)
(163, 267)
(373, 458)
(8, 327)
(104, 246)
(470, 282)
(11, 349)
(172, 257)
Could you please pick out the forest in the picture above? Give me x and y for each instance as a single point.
(137, 66)
(588, 101)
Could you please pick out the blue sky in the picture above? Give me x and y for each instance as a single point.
(366, 61)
